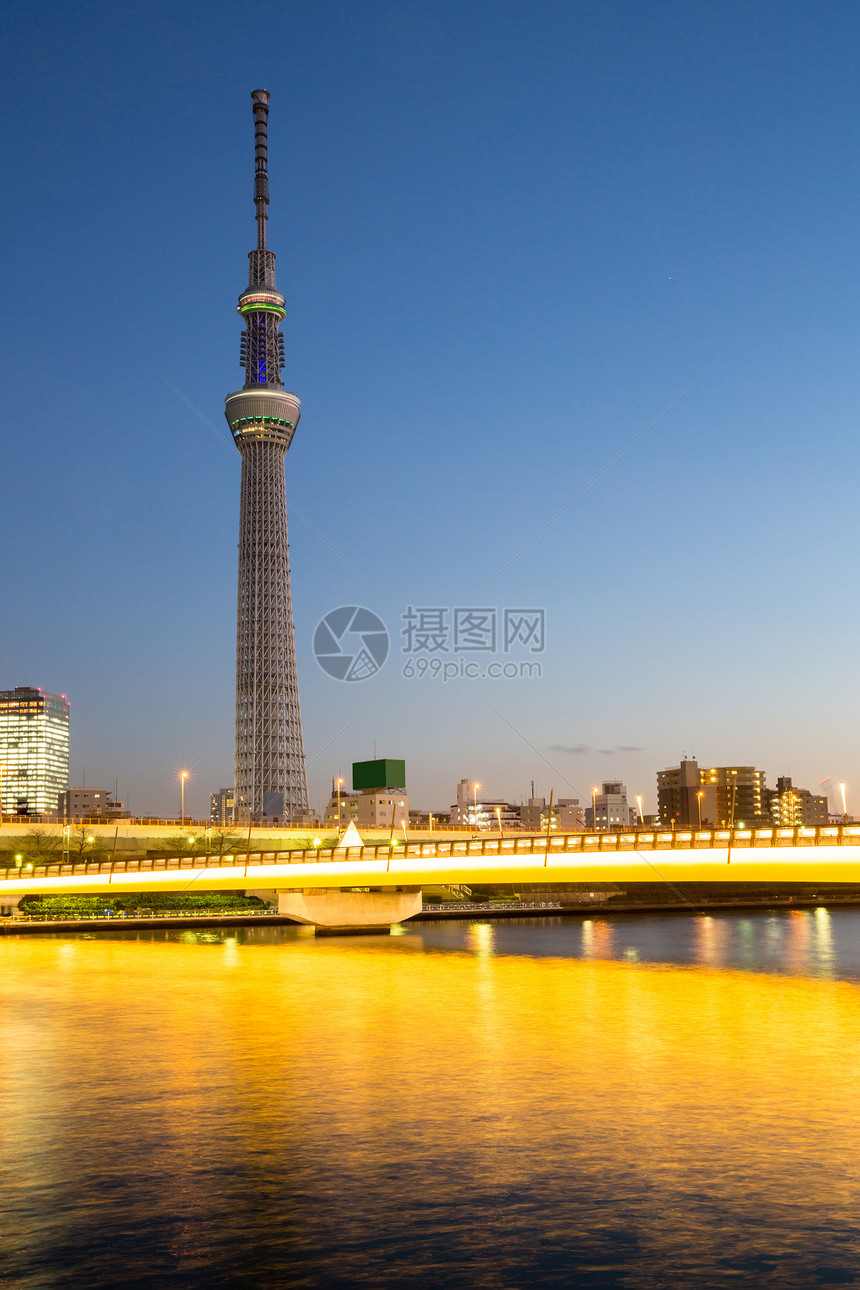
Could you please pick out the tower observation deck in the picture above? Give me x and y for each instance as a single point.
(270, 759)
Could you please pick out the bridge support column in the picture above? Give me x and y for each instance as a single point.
(330, 912)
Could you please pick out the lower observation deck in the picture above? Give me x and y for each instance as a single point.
(265, 414)
(737, 856)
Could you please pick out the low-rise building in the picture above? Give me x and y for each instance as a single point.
(480, 813)
(372, 803)
(565, 816)
(792, 807)
(609, 811)
(90, 804)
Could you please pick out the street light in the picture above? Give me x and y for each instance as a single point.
(844, 808)
(475, 788)
(639, 804)
(699, 797)
(339, 783)
(594, 810)
(183, 775)
(734, 775)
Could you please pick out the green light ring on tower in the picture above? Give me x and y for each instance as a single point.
(258, 309)
(256, 301)
(261, 421)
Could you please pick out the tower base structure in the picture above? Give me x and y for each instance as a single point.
(331, 912)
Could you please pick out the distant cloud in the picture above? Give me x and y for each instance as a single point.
(574, 749)
(629, 748)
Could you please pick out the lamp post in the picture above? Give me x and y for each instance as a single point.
(183, 775)
(499, 819)
(844, 807)
(594, 810)
(639, 805)
(699, 797)
(339, 785)
(475, 788)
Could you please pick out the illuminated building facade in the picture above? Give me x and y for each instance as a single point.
(733, 796)
(271, 781)
(719, 796)
(34, 750)
(221, 807)
(473, 812)
(792, 807)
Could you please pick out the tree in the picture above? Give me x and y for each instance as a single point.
(225, 842)
(82, 844)
(42, 845)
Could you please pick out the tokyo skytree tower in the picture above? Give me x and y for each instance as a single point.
(270, 756)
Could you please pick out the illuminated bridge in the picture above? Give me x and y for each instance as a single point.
(378, 885)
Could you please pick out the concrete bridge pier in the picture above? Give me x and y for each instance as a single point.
(337, 911)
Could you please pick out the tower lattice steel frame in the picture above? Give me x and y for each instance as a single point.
(270, 756)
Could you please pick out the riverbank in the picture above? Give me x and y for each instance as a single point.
(480, 911)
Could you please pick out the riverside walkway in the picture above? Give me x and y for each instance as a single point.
(777, 855)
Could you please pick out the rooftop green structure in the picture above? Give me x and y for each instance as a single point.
(385, 772)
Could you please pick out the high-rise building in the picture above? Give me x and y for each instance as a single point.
(690, 796)
(221, 807)
(271, 781)
(733, 796)
(678, 795)
(34, 751)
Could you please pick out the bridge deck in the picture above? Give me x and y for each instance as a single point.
(830, 854)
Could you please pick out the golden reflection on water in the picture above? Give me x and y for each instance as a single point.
(351, 1086)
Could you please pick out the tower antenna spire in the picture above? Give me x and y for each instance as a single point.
(260, 100)
(271, 779)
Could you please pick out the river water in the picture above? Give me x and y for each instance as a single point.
(634, 1101)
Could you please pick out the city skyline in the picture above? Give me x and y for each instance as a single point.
(492, 290)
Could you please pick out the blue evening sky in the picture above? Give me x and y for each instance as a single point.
(509, 234)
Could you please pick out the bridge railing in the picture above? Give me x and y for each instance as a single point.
(581, 844)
